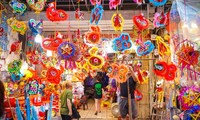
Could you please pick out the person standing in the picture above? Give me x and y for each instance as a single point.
(98, 92)
(2, 95)
(124, 102)
(66, 102)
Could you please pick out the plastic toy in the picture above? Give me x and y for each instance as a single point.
(114, 3)
(28, 108)
(52, 43)
(117, 22)
(140, 22)
(55, 15)
(18, 7)
(163, 48)
(34, 113)
(95, 2)
(139, 2)
(15, 47)
(122, 43)
(164, 70)
(160, 19)
(38, 6)
(66, 50)
(158, 3)
(36, 28)
(159, 93)
(79, 15)
(95, 61)
(17, 26)
(94, 35)
(144, 48)
(50, 107)
(33, 87)
(18, 111)
(96, 14)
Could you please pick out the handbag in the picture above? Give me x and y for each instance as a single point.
(75, 113)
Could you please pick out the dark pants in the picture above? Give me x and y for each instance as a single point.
(66, 117)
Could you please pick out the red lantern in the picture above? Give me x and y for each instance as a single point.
(140, 22)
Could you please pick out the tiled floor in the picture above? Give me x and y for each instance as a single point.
(88, 114)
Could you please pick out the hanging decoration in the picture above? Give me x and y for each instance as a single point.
(66, 50)
(95, 61)
(3, 32)
(15, 47)
(52, 43)
(138, 95)
(114, 4)
(187, 55)
(96, 14)
(117, 22)
(95, 2)
(18, 7)
(55, 15)
(158, 3)
(33, 57)
(122, 43)
(139, 2)
(93, 37)
(15, 66)
(142, 76)
(165, 70)
(79, 15)
(2, 9)
(140, 22)
(189, 97)
(144, 48)
(160, 20)
(37, 6)
(54, 75)
(81, 75)
(16, 25)
(36, 28)
(118, 72)
(159, 94)
(163, 48)
(33, 87)
(15, 77)
(83, 66)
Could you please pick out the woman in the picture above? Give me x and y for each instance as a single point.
(2, 91)
(98, 92)
(66, 102)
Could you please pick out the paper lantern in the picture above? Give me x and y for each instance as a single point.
(140, 22)
(17, 26)
(18, 7)
(37, 6)
(96, 14)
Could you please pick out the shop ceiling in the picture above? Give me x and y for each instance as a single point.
(128, 9)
